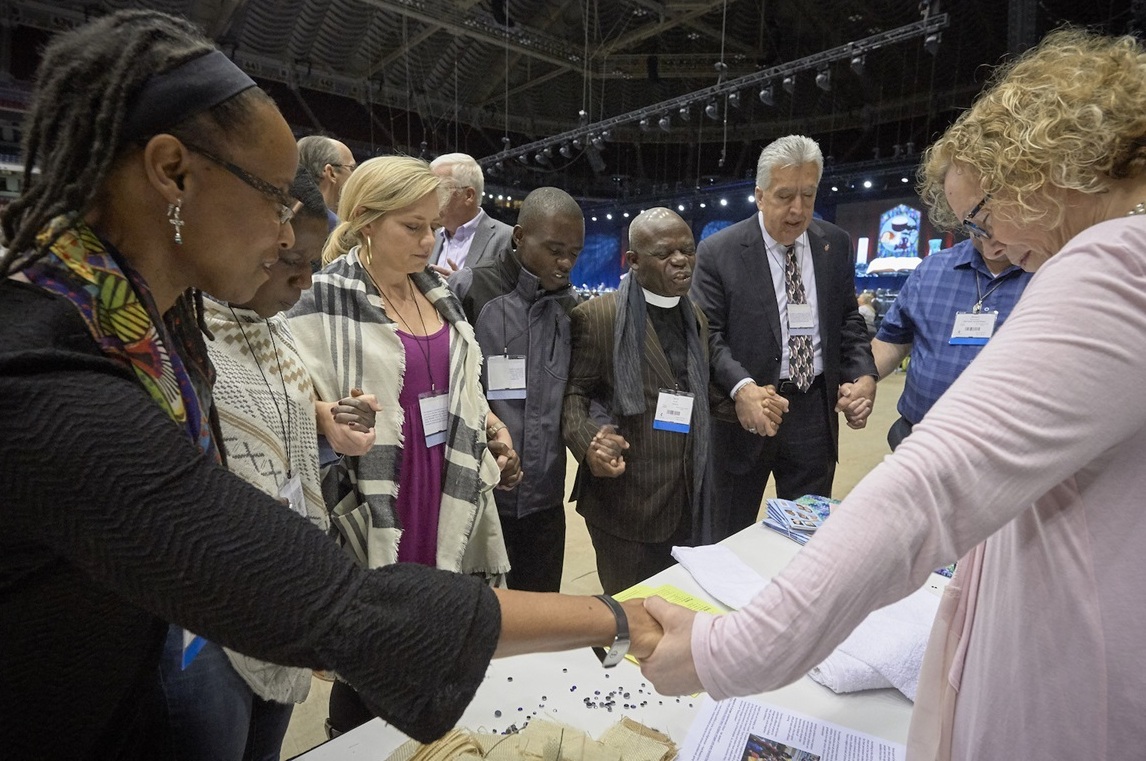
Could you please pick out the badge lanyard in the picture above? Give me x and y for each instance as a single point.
(433, 403)
(983, 296)
(285, 425)
(505, 374)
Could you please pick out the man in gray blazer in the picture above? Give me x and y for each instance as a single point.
(787, 340)
(468, 235)
(641, 354)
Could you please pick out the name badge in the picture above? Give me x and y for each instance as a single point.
(674, 411)
(291, 491)
(433, 405)
(800, 320)
(973, 329)
(505, 377)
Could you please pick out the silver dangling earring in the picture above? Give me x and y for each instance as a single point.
(175, 221)
(369, 252)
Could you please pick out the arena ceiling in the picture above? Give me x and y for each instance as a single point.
(432, 76)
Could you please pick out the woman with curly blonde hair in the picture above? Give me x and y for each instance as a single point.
(1028, 470)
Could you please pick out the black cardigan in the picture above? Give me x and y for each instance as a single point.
(112, 523)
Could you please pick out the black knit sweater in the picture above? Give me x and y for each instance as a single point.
(113, 523)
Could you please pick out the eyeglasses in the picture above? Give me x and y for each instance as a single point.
(972, 228)
(351, 167)
(285, 204)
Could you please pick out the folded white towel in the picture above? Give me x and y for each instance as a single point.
(886, 650)
(721, 573)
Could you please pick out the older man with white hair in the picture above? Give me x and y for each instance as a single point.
(468, 235)
(789, 345)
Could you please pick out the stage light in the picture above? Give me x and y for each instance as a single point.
(931, 43)
(685, 113)
(789, 84)
(566, 150)
(597, 142)
(824, 80)
(734, 99)
(665, 123)
(835, 188)
(680, 207)
(712, 111)
(578, 143)
(858, 62)
(645, 124)
(766, 96)
(867, 183)
(609, 216)
(523, 159)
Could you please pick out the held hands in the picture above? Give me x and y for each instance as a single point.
(644, 630)
(669, 667)
(606, 453)
(760, 409)
(508, 461)
(856, 401)
(348, 424)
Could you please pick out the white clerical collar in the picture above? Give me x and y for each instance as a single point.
(664, 302)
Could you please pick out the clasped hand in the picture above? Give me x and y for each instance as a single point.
(508, 461)
(348, 424)
(760, 409)
(606, 453)
(856, 400)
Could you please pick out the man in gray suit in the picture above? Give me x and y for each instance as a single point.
(788, 342)
(641, 353)
(330, 163)
(468, 235)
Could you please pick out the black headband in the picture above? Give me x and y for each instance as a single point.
(190, 88)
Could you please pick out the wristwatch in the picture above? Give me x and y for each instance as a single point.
(620, 646)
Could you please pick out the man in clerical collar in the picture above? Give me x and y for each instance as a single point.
(641, 354)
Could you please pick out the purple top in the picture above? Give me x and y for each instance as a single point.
(420, 479)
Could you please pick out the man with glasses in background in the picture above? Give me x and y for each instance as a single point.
(948, 309)
(330, 163)
(468, 235)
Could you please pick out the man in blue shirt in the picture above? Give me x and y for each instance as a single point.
(947, 310)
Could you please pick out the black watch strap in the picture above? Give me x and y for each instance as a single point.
(620, 646)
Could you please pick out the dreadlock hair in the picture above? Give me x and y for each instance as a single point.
(74, 129)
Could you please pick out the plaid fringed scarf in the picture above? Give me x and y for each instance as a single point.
(347, 341)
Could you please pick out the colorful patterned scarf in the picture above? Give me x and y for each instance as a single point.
(117, 307)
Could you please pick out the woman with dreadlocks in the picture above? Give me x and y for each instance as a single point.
(162, 173)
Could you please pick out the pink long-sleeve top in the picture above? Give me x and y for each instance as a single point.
(1039, 452)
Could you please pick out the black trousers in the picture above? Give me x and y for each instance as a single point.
(536, 547)
(621, 563)
(801, 457)
(899, 431)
